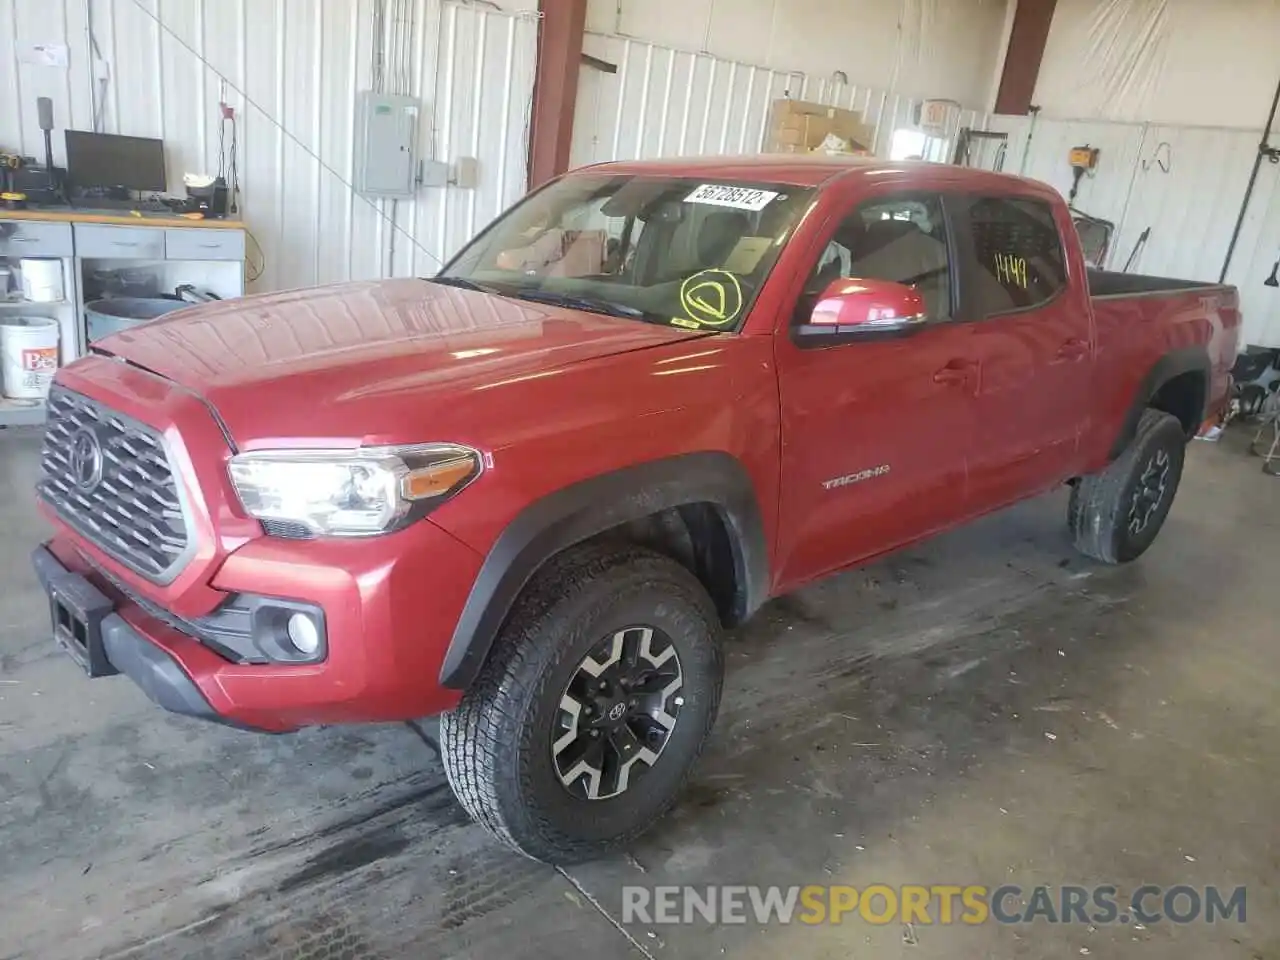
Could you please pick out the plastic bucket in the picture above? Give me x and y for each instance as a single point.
(105, 317)
(41, 280)
(28, 356)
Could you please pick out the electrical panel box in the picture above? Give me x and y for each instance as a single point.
(386, 138)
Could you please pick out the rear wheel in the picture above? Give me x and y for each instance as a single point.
(596, 700)
(1115, 515)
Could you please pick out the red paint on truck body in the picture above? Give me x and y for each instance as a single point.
(967, 416)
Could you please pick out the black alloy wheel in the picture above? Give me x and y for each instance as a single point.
(617, 713)
(1150, 492)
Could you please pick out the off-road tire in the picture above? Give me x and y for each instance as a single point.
(496, 744)
(1099, 515)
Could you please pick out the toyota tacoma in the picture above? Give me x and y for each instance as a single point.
(530, 493)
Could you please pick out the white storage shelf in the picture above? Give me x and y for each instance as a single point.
(63, 310)
(208, 258)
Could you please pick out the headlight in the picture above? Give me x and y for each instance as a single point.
(351, 493)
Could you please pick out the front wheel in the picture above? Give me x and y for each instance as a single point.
(597, 698)
(1115, 515)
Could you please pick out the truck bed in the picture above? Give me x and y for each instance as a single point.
(1106, 283)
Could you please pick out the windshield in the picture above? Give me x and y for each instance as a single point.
(682, 252)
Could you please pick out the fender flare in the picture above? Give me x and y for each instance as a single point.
(1173, 364)
(584, 509)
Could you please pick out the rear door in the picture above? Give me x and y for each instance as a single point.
(875, 432)
(1033, 341)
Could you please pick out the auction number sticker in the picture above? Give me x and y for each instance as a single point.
(739, 198)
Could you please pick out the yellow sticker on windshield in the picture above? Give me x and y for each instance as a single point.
(713, 298)
(686, 323)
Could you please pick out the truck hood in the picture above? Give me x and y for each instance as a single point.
(365, 362)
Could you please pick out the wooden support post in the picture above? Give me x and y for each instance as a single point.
(555, 89)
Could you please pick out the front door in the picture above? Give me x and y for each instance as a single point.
(875, 433)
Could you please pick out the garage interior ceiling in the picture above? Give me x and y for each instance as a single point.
(304, 63)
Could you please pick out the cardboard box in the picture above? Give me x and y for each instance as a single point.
(799, 126)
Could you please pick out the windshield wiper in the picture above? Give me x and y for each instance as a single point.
(462, 282)
(590, 304)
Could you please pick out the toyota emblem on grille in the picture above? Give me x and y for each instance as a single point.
(86, 459)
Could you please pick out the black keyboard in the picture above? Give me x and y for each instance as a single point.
(104, 203)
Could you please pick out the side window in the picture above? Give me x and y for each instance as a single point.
(1019, 257)
(903, 239)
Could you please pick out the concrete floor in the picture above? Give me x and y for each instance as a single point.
(986, 709)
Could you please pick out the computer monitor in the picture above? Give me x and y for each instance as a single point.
(111, 161)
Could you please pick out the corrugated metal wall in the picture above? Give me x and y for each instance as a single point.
(1185, 183)
(292, 70)
(664, 102)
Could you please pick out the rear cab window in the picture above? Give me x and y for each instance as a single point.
(1017, 258)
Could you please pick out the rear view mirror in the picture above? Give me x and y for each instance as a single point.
(855, 309)
(668, 211)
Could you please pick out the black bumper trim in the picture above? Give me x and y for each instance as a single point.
(147, 665)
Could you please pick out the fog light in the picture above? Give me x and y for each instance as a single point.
(304, 634)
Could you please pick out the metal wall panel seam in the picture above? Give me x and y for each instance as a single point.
(450, 53)
(415, 86)
(666, 102)
(694, 60)
(17, 81)
(751, 83)
(281, 28)
(508, 77)
(317, 75)
(644, 98)
(115, 59)
(728, 110)
(623, 76)
(353, 64)
(477, 114)
(66, 71)
(160, 68)
(202, 99)
(706, 113)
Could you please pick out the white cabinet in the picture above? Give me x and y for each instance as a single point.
(195, 244)
(208, 258)
(99, 241)
(34, 239)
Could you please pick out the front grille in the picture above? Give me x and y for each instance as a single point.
(126, 500)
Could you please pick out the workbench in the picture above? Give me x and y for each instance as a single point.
(208, 254)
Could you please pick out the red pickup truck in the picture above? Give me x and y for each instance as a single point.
(530, 493)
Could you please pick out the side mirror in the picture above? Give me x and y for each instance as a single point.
(855, 309)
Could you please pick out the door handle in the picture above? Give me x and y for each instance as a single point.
(1073, 349)
(955, 374)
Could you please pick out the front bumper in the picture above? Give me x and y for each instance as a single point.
(390, 606)
(127, 651)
